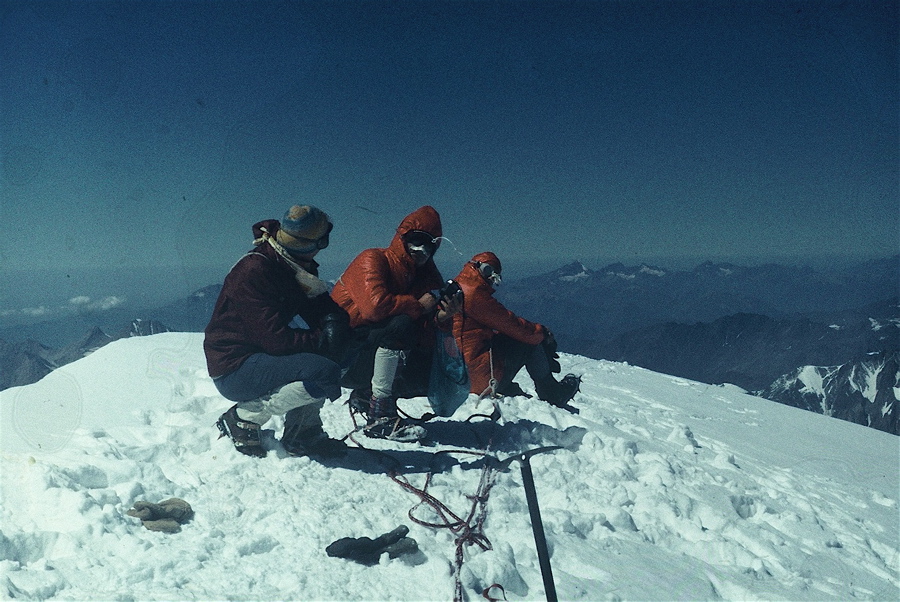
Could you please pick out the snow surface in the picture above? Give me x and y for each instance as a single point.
(667, 490)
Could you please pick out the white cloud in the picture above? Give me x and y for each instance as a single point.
(107, 303)
(36, 312)
(85, 303)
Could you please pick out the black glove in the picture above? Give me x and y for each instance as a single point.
(366, 550)
(335, 335)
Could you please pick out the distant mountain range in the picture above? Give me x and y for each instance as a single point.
(28, 361)
(587, 306)
(768, 329)
(752, 350)
(719, 323)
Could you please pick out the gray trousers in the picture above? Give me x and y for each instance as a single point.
(273, 385)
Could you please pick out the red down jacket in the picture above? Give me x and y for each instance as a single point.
(483, 317)
(381, 283)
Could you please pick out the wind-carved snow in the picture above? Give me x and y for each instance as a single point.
(666, 489)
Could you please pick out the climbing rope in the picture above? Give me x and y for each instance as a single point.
(468, 530)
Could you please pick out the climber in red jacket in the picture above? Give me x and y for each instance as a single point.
(496, 343)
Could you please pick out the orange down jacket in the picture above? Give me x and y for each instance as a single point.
(381, 283)
(483, 317)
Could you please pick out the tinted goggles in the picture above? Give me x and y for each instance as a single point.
(311, 244)
(422, 240)
(487, 270)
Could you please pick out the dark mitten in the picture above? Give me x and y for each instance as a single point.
(367, 551)
(177, 509)
(166, 516)
(145, 511)
(335, 336)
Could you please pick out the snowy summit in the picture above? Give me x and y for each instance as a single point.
(661, 489)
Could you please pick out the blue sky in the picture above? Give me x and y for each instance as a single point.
(147, 137)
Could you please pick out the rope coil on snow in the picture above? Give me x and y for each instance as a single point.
(469, 531)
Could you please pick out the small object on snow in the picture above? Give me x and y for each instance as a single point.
(367, 551)
(166, 516)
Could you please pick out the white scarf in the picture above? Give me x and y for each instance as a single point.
(311, 285)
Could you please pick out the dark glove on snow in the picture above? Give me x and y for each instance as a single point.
(550, 346)
(335, 335)
(166, 516)
(367, 551)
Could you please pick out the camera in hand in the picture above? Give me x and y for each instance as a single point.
(450, 289)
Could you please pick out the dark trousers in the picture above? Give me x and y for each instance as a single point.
(397, 332)
(516, 354)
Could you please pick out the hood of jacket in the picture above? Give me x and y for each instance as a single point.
(424, 218)
(489, 258)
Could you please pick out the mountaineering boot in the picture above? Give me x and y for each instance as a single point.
(569, 386)
(243, 433)
(512, 390)
(303, 434)
(385, 422)
(557, 393)
(312, 441)
(359, 401)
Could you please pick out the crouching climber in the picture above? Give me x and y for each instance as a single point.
(255, 353)
(496, 343)
(388, 295)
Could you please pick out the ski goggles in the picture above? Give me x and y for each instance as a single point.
(305, 246)
(419, 240)
(488, 271)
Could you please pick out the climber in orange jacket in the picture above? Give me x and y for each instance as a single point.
(388, 294)
(496, 343)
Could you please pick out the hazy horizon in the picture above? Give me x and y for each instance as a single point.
(29, 297)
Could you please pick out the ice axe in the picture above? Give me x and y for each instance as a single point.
(537, 526)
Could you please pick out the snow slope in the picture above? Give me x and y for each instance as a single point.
(668, 490)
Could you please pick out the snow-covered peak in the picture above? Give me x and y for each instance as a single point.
(722, 270)
(573, 272)
(619, 270)
(665, 489)
(651, 271)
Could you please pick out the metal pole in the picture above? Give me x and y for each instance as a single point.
(537, 526)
